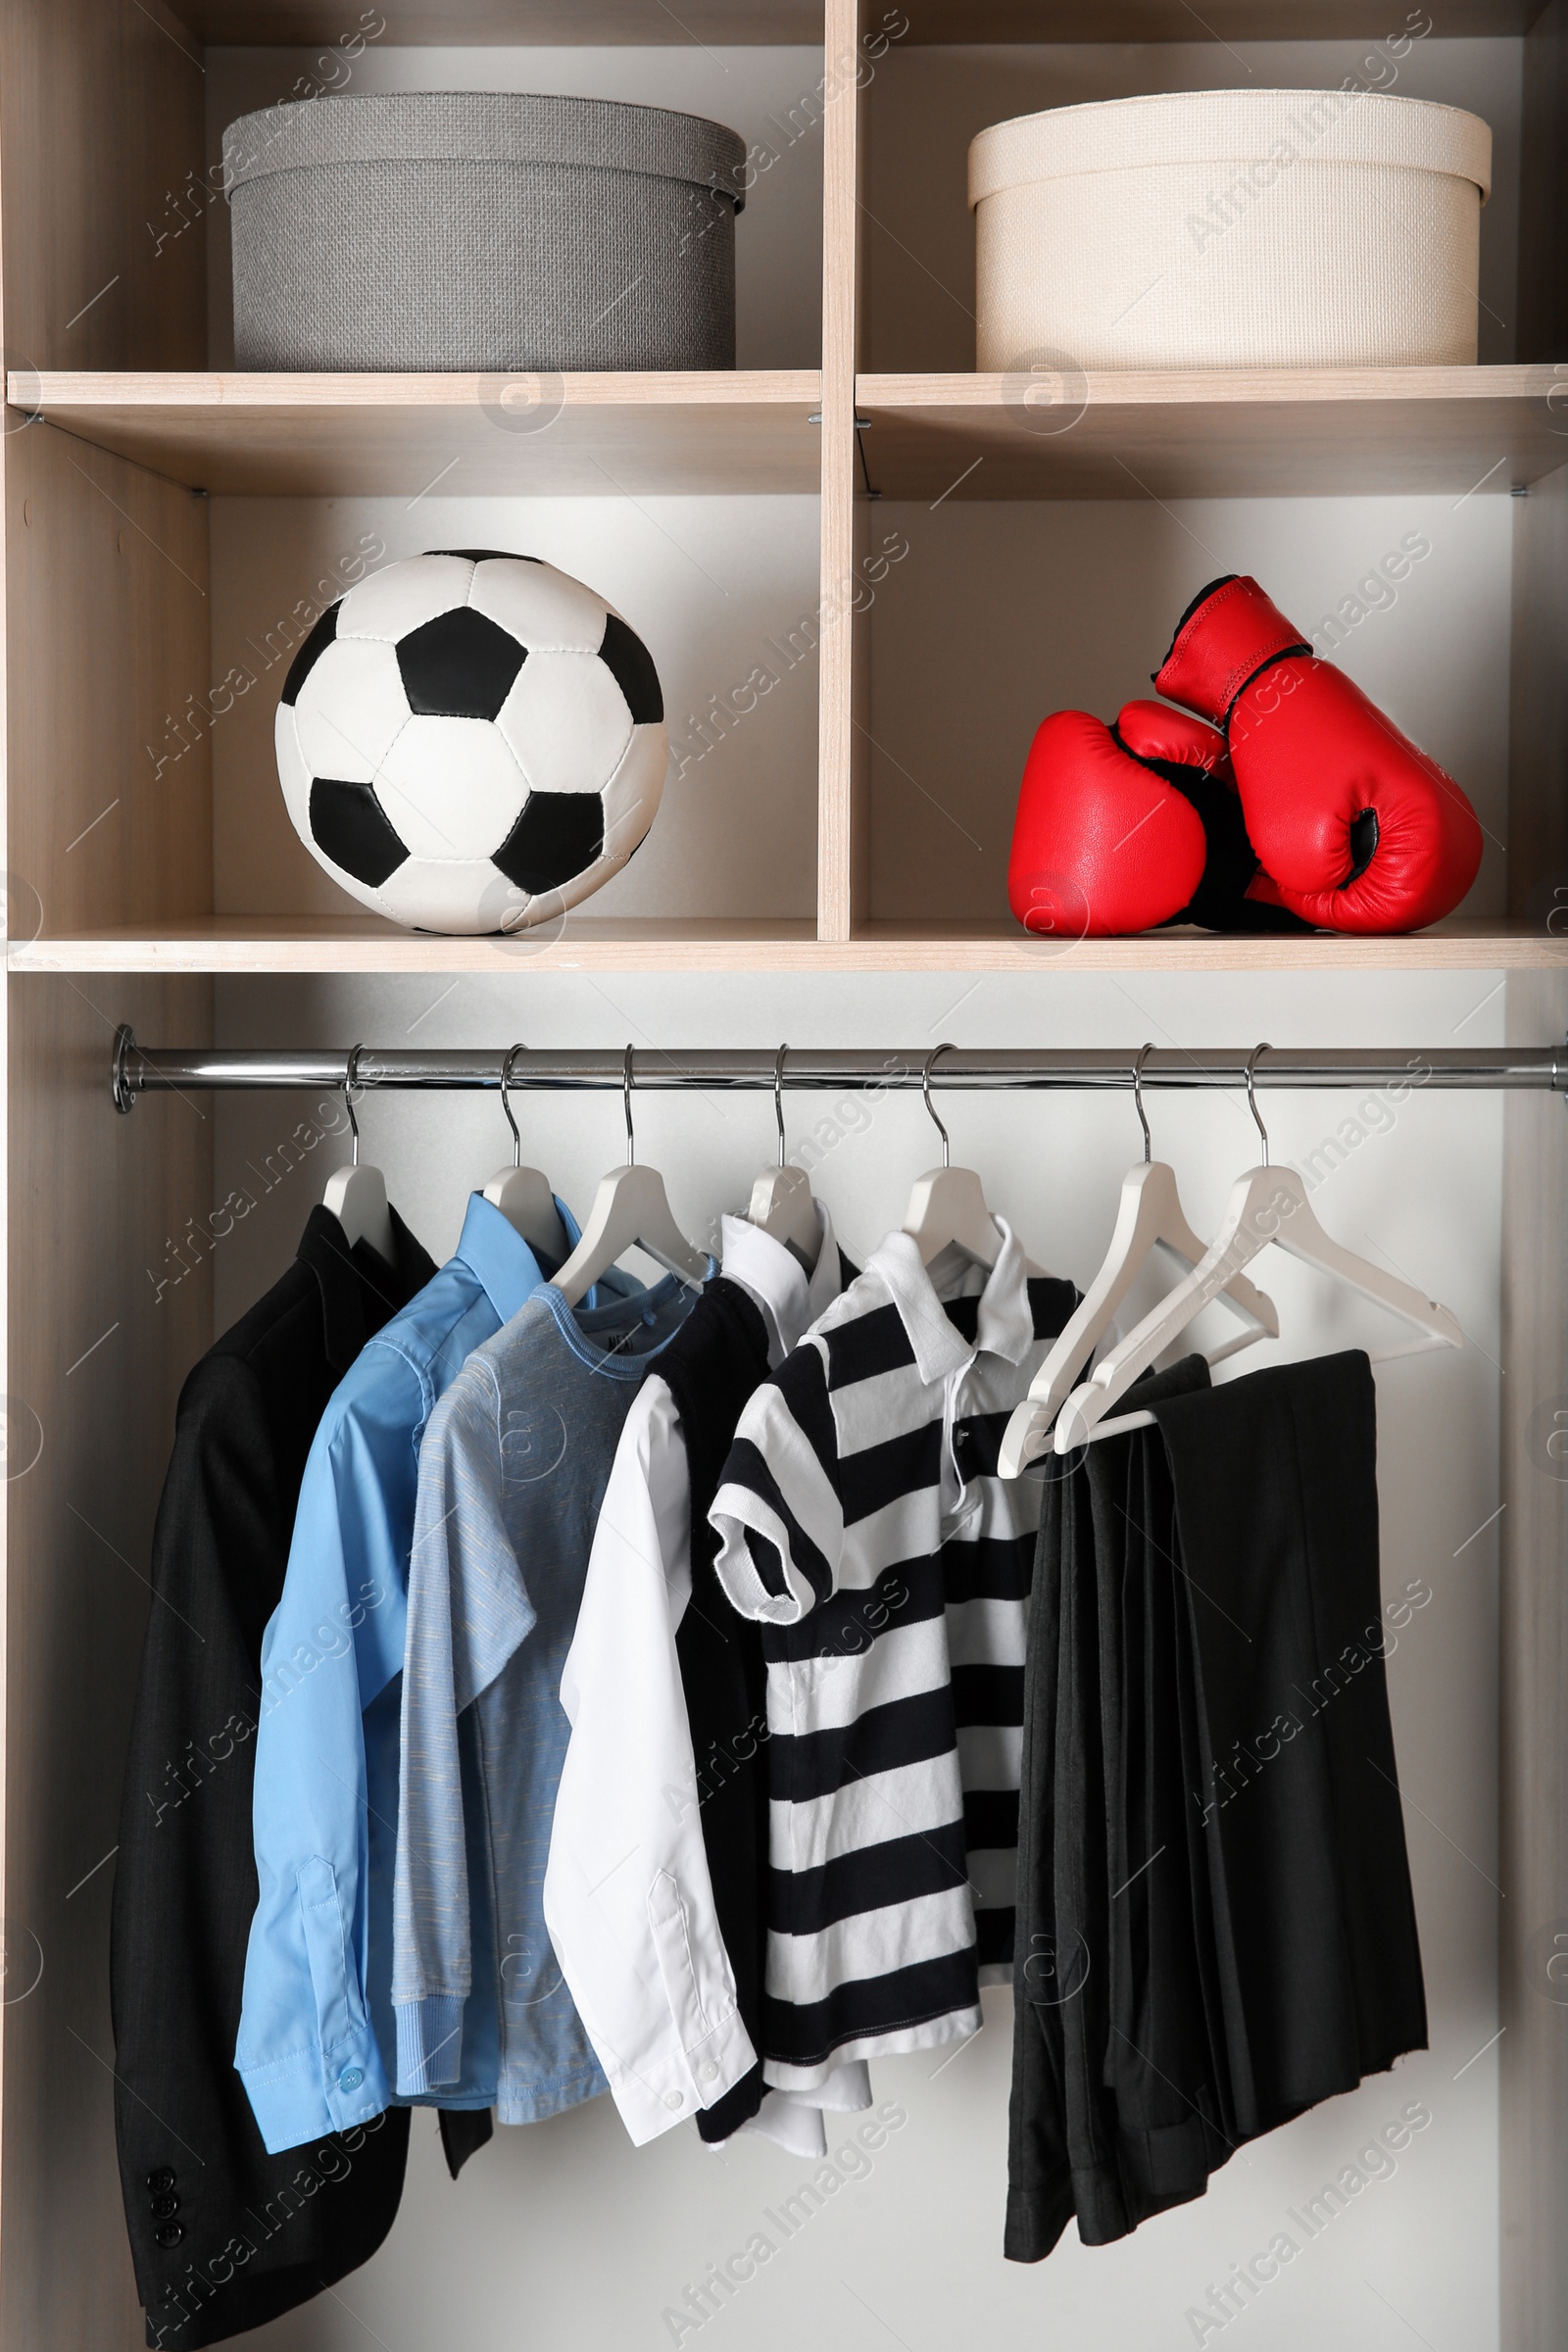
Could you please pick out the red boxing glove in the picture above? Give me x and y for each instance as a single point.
(1124, 829)
(1359, 829)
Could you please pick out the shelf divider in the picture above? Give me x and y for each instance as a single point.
(837, 862)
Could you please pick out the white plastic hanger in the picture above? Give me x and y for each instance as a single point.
(631, 1211)
(523, 1195)
(781, 1198)
(949, 1204)
(1266, 1204)
(357, 1194)
(1149, 1218)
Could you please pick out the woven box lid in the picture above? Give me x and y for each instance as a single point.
(1223, 127)
(483, 126)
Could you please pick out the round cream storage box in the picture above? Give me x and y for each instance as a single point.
(1230, 228)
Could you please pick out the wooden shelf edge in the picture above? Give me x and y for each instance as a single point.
(48, 392)
(760, 950)
(1260, 387)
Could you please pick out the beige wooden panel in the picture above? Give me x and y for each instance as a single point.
(1538, 743)
(1543, 189)
(1533, 1915)
(348, 436)
(836, 815)
(95, 1364)
(110, 700)
(100, 123)
(1224, 433)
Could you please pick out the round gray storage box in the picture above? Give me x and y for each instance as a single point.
(462, 229)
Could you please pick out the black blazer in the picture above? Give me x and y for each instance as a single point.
(224, 2237)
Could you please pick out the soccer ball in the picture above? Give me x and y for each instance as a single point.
(470, 741)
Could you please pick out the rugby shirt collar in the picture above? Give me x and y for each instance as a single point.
(1004, 1322)
(775, 1279)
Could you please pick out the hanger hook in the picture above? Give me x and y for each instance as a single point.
(1137, 1101)
(1252, 1095)
(351, 1072)
(625, 1090)
(778, 1098)
(505, 1081)
(925, 1089)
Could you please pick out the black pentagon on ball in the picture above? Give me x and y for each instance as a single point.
(348, 825)
(631, 665)
(309, 653)
(483, 555)
(558, 837)
(458, 665)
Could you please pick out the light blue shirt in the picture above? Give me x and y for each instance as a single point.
(317, 2042)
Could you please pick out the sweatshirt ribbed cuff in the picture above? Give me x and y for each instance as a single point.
(429, 2044)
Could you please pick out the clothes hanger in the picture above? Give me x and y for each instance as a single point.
(947, 1204)
(523, 1195)
(781, 1198)
(631, 1211)
(1150, 1217)
(357, 1194)
(1266, 1204)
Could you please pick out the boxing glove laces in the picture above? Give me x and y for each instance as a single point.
(1356, 828)
(1129, 827)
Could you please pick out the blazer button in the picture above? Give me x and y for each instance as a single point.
(160, 2179)
(169, 2237)
(165, 2208)
(351, 2078)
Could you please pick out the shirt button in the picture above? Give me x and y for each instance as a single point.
(160, 2179)
(169, 2237)
(673, 2099)
(708, 2071)
(351, 2078)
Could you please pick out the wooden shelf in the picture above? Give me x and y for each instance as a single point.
(949, 21)
(1236, 433)
(470, 23)
(492, 435)
(363, 943)
(505, 23)
(241, 944)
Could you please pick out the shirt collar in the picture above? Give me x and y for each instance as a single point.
(1003, 1323)
(499, 1257)
(777, 1284)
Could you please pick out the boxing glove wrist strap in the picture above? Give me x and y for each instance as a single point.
(1228, 633)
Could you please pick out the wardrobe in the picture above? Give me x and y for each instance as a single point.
(924, 560)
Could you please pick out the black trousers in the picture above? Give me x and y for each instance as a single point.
(1215, 1924)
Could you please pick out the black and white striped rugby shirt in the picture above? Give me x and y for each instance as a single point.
(862, 1521)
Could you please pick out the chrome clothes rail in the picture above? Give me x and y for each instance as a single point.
(138, 1069)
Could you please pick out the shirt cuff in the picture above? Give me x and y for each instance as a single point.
(664, 2090)
(429, 2044)
(303, 2097)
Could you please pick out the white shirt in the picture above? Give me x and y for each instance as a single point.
(628, 1898)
